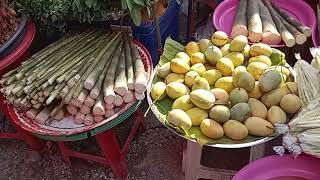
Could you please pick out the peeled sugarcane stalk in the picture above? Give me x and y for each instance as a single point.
(89, 101)
(139, 96)
(98, 118)
(94, 93)
(62, 56)
(64, 91)
(98, 108)
(108, 84)
(59, 116)
(73, 80)
(41, 99)
(140, 74)
(34, 101)
(82, 96)
(88, 120)
(302, 28)
(240, 23)
(44, 115)
(40, 93)
(76, 59)
(72, 109)
(55, 93)
(48, 90)
(120, 85)
(108, 106)
(32, 113)
(118, 100)
(51, 75)
(45, 53)
(129, 97)
(85, 109)
(43, 69)
(286, 36)
(109, 113)
(270, 34)
(298, 36)
(96, 61)
(56, 109)
(79, 118)
(254, 21)
(129, 66)
(105, 57)
(76, 79)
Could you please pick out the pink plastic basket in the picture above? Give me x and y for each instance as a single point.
(225, 12)
(285, 167)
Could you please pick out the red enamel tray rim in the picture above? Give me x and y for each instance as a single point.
(34, 127)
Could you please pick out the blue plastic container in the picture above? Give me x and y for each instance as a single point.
(169, 26)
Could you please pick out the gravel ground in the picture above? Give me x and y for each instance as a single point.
(155, 153)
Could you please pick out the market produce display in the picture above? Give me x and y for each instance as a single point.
(224, 89)
(87, 74)
(302, 132)
(9, 21)
(263, 21)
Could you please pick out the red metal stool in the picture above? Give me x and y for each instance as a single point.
(8, 63)
(113, 155)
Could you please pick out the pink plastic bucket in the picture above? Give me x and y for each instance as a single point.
(225, 12)
(281, 168)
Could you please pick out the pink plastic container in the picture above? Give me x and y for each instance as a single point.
(225, 12)
(281, 168)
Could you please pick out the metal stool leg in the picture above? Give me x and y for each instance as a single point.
(257, 152)
(191, 161)
(111, 150)
(65, 152)
(34, 143)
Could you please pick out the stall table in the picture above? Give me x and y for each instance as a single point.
(112, 154)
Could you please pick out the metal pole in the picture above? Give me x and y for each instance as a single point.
(157, 27)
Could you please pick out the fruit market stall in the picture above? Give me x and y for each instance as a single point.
(236, 88)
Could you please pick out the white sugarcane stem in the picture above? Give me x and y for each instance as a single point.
(109, 113)
(72, 109)
(98, 118)
(118, 100)
(85, 109)
(89, 101)
(88, 120)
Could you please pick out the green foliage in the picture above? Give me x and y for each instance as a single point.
(48, 14)
(53, 15)
(134, 7)
(95, 10)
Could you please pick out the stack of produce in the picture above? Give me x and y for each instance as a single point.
(303, 131)
(263, 21)
(89, 73)
(228, 89)
(8, 21)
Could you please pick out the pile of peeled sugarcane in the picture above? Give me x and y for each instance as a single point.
(87, 75)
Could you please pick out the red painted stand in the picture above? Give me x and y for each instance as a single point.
(112, 154)
(9, 62)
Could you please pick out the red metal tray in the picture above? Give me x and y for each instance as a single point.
(32, 126)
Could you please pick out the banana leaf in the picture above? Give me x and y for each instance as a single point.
(162, 107)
